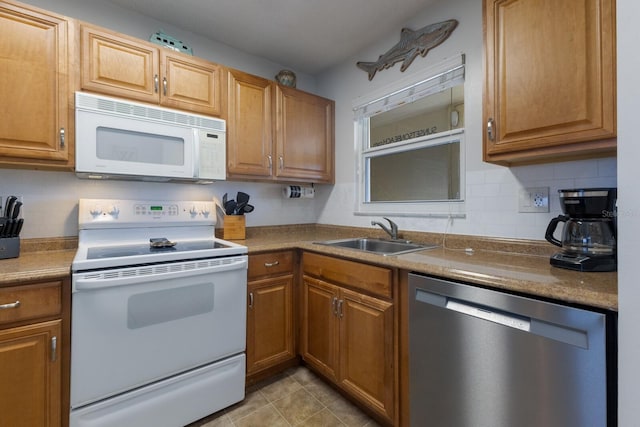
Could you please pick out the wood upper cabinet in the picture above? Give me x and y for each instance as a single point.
(34, 357)
(115, 64)
(348, 331)
(270, 314)
(550, 80)
(278, 133)
(36, 69)
(249, 125)
(304, 136)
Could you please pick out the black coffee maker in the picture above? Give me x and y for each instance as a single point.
(590, 230)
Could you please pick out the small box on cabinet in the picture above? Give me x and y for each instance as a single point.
(231, 227)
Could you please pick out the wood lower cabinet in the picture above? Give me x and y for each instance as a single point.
(123, 66)
(550, 88)
(276, 133)
(34, 354)
(270, 312)
(348, 330)
(36, 51)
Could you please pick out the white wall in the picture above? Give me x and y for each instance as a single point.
(492, 191)
(629, 211)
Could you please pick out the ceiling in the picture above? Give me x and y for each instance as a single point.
(305, 35)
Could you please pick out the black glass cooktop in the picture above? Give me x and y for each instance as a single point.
(146, 249)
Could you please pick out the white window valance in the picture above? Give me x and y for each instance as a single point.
(441, 76)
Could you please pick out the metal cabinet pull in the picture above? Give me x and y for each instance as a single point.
(271, 264)
(270, 162)
(250, 299)
(54, 348)
(334, 306)
(10, 305)
(490, 130)
(61, 138)
(164, 85)
(281, 163)
(155, 83)
(340, 304)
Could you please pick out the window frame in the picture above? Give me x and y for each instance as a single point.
(404, 91)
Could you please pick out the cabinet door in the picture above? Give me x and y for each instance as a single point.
(367, 350)
(269, 323)
(30, 371)
(320, 326)
(118, 65)
(34, 87)
(550, 83)
(305, 136)
(190, 83)
(249, 125)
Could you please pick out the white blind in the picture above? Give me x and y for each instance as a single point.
(444, 75)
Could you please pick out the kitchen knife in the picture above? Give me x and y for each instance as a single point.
(16, 232)
(8, 208)
(16, 210)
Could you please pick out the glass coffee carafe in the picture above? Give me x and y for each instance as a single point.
(589, 235)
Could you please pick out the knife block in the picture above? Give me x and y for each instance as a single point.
(9, 247)
(232, 227)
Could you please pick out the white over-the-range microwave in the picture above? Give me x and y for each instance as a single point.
(120, 139)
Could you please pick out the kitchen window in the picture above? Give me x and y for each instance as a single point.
(410, 146)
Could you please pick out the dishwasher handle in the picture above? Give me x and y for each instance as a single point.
(563, 333)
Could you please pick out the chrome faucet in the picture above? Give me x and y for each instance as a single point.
(393, 231)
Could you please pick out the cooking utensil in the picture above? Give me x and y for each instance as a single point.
(242, 198)
(247, 208)
(230, 207)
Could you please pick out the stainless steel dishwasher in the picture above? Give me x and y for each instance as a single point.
(482, 358)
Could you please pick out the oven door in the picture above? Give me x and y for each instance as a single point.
(137, 325)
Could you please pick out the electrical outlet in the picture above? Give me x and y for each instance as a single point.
(534, 199)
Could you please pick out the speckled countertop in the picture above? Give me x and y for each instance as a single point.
(520, 266)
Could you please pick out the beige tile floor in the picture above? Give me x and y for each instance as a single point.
(296, 397)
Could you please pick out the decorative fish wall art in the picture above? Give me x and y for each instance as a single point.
(410, 45)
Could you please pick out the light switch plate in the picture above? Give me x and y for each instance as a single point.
(534, 199)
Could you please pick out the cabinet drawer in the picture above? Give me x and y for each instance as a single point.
(270, 263)
(19, 303)
(366, 277)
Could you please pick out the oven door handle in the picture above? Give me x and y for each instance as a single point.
(129, 276)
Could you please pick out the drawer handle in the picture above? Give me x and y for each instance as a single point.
(250, 299)
(271, 264)
(334, 306)
(10, 305)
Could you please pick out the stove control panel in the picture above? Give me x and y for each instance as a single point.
(107, 213)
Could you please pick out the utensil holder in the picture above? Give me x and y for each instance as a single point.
(9, 247)
(232, 227)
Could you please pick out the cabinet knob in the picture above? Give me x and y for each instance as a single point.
(490, 130)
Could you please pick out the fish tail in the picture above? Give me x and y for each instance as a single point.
(370, 67)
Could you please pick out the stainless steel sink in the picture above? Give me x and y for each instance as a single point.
(378, 246)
